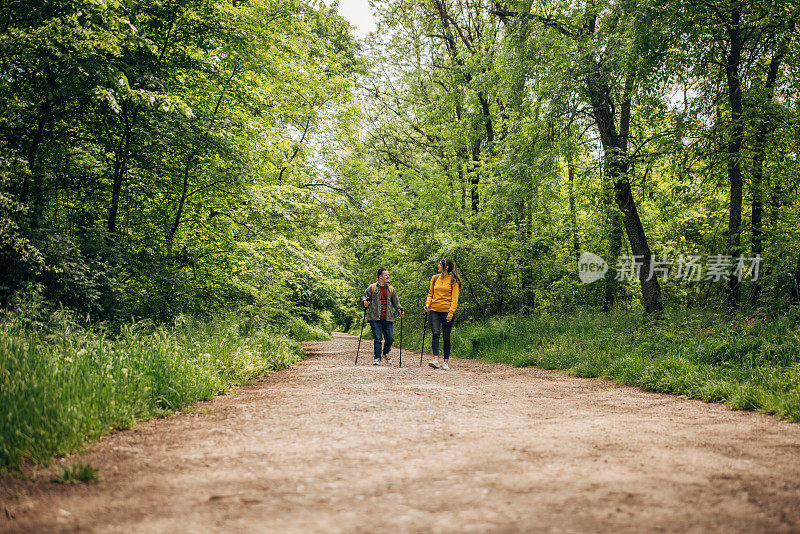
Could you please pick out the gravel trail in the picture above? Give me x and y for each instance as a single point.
(329, 447)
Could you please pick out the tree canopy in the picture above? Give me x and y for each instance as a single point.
(187, 156)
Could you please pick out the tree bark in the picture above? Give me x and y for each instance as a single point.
(474, 179)
(651, 290)
(615, 147)
(795, 293)
(573, 213)
(733, 80)
(759, 157)
(487, 120)
(613, 232)
(32, 177)
(184, 192)
(120, 169)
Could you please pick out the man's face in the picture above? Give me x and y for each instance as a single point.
(384, 277)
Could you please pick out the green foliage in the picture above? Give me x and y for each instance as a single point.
(63, 388)
(78, 473)
(750, 363)
(81, 273)
(489, 142)
(161, 158)
(299, 330)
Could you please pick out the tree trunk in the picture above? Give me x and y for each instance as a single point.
(31, 184)
(463, 189)
(474, 179)
(36, 140)
(573, 213)
(120, 170)
(463, 154)
(795, 293)
(487, 120)
(184, 192)
(734, 150)
(651, 290)
(614, 238)
(615, 147)
(759, 157)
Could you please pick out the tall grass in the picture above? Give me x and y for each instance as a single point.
(66, 386)
(750, 363)
(299, 330)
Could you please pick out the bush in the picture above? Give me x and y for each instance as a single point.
(299, 330)
(80, 273)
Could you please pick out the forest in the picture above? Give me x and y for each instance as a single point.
(195, 176)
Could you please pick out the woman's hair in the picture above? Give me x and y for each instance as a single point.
(450, 266)
(380, 271)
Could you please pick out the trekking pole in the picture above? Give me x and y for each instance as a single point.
(424, 325)
(401, 341)
(361, 333)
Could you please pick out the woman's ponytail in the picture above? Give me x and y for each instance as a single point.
(450, 266)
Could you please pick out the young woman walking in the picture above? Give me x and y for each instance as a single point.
(441, 305)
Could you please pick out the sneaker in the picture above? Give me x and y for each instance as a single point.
(445, 366)
(388, 359)
(434, 364)
(376, 362)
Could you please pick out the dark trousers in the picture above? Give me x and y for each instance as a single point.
(439, 324)
(382, 330)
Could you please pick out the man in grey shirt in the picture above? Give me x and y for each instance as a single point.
(381, 300)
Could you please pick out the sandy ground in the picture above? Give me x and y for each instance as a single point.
(329, 447)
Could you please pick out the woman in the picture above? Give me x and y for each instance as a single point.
(441, 303)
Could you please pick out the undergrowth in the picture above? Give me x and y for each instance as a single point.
(64, 386)
(748, 363)
(78, 473)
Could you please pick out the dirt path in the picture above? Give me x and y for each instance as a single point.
(327, 447)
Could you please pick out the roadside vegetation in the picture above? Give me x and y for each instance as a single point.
(78, 473)
(65, 384)
(747, 363)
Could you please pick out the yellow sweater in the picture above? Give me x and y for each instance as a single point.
(442, 297)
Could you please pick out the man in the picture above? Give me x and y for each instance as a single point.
(382, 301)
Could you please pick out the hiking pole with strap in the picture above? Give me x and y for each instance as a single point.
(364, 320)
(401, 341)
(424, 325)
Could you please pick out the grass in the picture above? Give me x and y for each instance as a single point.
(65, 387)
(78, 473)
(299, 330)
(750, 363)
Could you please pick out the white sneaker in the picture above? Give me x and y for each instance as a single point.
(388, 359)
(445, 366)
(376, 362)
(434, 364)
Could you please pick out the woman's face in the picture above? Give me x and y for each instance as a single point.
(441, 269)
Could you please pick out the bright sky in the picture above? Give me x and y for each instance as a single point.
(358, 13)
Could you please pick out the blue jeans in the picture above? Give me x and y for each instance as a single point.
(439, 325)
(382, 330)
